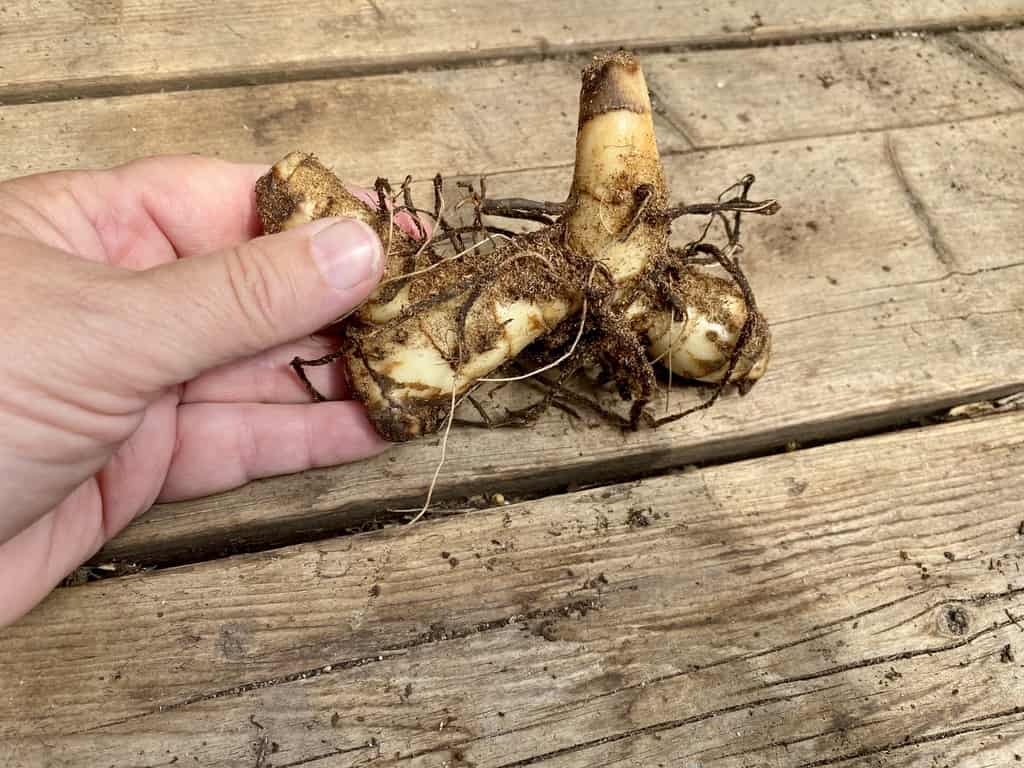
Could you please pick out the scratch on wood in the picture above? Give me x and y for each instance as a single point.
(262, 749)
(842, 731)
(963, 318)
(981, 599)
(956, 273)
(716, 503)
(325, 755)
(1014, 619)
(377, 10)
(574, 608)
(872, 609)
(740, 657)
(888, 658)
(917, 205)
(913, 741)
(667, 725)
(238, 690)
(908, 620)
(669, 152)
(996, 715)
(976, 52)
(662, 110)
(816, 315)
(360, 614)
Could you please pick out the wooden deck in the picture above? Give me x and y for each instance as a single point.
(827, 572)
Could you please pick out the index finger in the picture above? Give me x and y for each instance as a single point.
(200, 204)
(204, 204)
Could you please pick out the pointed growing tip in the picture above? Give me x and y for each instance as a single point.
(613, 81)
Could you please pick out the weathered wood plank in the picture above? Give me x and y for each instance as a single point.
(721, 98)
(890, 294)
(459, 121)
(68, 48)
(456, 121)
(855, 600)
(847, 215)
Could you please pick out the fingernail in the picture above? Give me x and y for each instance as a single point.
(348, 253)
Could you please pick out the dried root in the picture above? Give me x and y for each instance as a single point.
(596, 290)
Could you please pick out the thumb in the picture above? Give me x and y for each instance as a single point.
(207, 310)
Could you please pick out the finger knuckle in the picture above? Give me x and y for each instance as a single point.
(258, 289)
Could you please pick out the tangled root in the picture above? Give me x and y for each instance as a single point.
(594, 292)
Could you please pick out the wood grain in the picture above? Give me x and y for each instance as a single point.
(853, 601)
(891, 292)
(999, 52)
(727, 98)
(73, 48)
(873, 273)
(520, 116)
(860, 603)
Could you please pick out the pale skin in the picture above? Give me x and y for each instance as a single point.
(147, 333)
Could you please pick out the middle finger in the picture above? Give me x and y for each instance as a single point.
(269, 378)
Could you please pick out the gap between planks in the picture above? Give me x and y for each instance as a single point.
(835, 584)
(101, 87)
(999, 400)
(898, 336)
(706, 101)
(876, 196)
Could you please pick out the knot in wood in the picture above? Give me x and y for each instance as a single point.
(954, 620)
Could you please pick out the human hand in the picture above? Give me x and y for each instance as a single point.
(145, 352)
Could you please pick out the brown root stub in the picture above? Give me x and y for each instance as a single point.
(596, 287)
